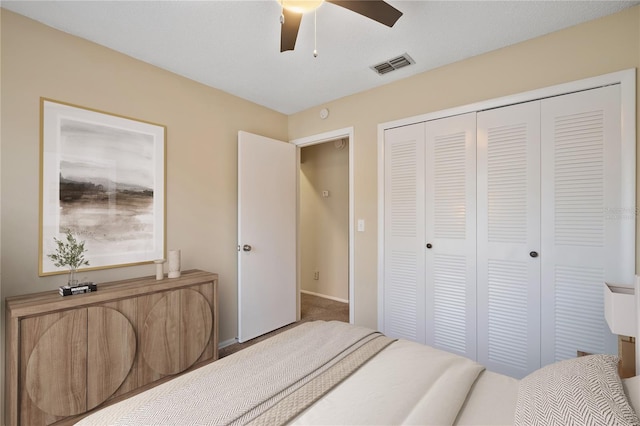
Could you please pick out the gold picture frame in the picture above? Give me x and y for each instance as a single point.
(102, 176)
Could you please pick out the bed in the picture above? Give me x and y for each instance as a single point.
(333, 373)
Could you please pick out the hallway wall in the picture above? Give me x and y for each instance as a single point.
(324, 221)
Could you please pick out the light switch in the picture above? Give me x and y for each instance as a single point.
(325, 193)
(360, 225)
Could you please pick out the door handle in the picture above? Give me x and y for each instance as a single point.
(246, 247)
(533, 254)
(429, 245)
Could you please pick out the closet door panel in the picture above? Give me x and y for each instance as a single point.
(584, 221)
(450, 234)
(509, 239)
(404, 269)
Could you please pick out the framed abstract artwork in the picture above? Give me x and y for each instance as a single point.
(102, 177)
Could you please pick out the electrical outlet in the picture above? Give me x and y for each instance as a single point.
(316, 275)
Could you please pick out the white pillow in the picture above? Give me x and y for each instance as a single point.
(579, 391)
(632, 390)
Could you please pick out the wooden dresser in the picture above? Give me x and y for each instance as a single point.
(67, 356)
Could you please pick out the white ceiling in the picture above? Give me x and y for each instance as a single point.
(234, 45)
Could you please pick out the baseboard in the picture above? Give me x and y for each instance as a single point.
(324, 296)
(227, 343)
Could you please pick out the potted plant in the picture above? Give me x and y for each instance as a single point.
(69, 253)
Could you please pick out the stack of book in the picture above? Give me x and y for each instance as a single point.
(88, 287)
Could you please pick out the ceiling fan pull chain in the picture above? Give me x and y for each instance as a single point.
(315, 33)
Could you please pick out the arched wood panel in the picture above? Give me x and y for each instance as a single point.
(176, 331)
(80, 361)
(56, 371)
(195, 327)
(111, 348)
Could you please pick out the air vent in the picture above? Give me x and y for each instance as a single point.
(393, 64)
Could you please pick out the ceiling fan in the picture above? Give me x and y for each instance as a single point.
(292, 11)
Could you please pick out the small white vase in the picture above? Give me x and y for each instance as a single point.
(174, 264)
(159, 269)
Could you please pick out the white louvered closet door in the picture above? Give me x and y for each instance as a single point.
(587, 228)
(451, 234)
(509, 239)
(404, 271)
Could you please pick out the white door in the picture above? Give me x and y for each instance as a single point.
(585, 222)
(451, 234)
(508, 252)
(404, 271)
(266, 235)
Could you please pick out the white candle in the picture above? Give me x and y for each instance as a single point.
(159, 269)
(174, 263)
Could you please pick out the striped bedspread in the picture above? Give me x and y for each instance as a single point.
(268, 383)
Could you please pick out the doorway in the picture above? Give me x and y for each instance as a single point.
(324, 230)
(325, 224)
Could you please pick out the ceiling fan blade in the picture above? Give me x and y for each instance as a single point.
(289, 31)
(378, 10)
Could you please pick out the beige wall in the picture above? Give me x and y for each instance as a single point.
(324, 221)
(595, 48)
(202, 125)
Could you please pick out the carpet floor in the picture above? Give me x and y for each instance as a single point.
(312, 308)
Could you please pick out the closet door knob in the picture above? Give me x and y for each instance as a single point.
(533, 254)
(429, 245)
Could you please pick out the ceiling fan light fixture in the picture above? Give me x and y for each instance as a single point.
(292, 11)
(301, 6)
